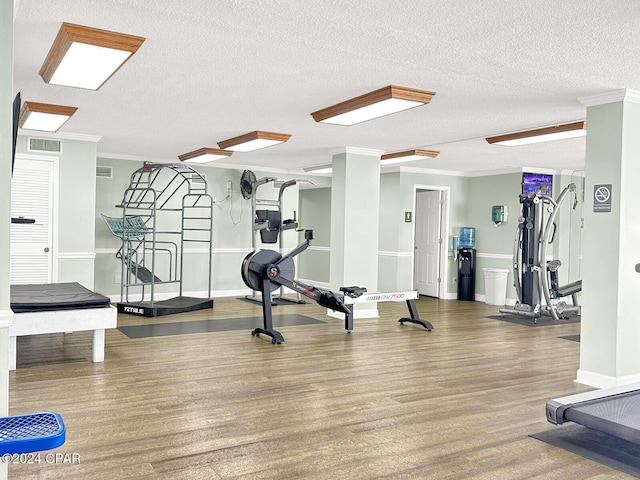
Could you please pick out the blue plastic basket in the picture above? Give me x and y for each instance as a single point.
(31, 433)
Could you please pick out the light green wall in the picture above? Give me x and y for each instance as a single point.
(458, 203)
(76, 210)
(232, 229)
(494, 244)
(567, 246)
(315, 214)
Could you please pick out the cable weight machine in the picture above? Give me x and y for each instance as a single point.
(535, 277)
(268, 221)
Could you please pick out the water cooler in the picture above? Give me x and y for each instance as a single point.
(467, 264)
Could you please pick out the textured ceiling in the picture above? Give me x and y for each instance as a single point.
(211, 70)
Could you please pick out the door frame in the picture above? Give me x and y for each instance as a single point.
(54, 205)
(445, 193)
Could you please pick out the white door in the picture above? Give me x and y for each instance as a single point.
(427, 243)
(32, 197)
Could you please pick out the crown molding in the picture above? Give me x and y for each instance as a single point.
(506, 171)
(572, 173)
(546, 171)
(83, 137)
(136, 158)
(357, 151)
(425, 171)
(623, 94)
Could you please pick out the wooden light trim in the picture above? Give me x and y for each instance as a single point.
(422, 97)
(59, 111)
(410, 153)
(70, 33)
(271, 138)
(200, 155)
(567, 127)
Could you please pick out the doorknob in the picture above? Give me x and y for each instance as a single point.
(46, 249)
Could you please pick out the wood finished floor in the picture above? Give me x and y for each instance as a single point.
(387, 401)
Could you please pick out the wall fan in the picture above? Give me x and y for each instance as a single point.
(247, 182)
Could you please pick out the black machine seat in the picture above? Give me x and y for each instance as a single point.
(353, 292)
(569, 289)
(272, 220)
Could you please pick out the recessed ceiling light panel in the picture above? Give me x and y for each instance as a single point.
(546, 134)
(385, 101)
(43, 116)
(407, 156)
(253, 141)
(86, 57)
(204, 155)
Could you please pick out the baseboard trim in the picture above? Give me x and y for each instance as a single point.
(598, 380)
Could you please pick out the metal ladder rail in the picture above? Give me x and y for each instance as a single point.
(208, 227)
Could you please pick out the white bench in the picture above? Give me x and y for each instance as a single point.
(63, 321)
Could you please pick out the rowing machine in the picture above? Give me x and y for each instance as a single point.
(267, 270)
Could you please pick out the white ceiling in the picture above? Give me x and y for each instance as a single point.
(211, 70)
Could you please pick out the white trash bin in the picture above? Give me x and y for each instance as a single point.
(495, 285)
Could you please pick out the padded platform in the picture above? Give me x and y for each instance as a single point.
(54, 296)
(170, 306)
(59, 308)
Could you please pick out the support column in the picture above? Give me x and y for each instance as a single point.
(610, 330)
(355, 206)
(6, 140)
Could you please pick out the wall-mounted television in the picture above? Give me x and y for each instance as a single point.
(537, 182)
(14, 132)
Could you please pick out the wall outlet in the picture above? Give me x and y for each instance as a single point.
(229, 186)
(116, 279)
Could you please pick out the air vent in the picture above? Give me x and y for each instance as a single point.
(104, 172)
(47, 145)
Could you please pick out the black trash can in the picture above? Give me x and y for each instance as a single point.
(467, 274)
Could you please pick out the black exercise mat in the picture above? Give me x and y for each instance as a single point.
(54, 296)
(541, 322)
(600, 447)
(203, 326)
(573, 338)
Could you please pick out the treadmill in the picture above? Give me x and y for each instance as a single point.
(615, 411)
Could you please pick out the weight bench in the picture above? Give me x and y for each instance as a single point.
(59, 308)
(31, 433)
(569, 289)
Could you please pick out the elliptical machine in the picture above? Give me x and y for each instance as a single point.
(534, 276)
(268, 270)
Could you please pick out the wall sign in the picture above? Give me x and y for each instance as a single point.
(602, 198)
